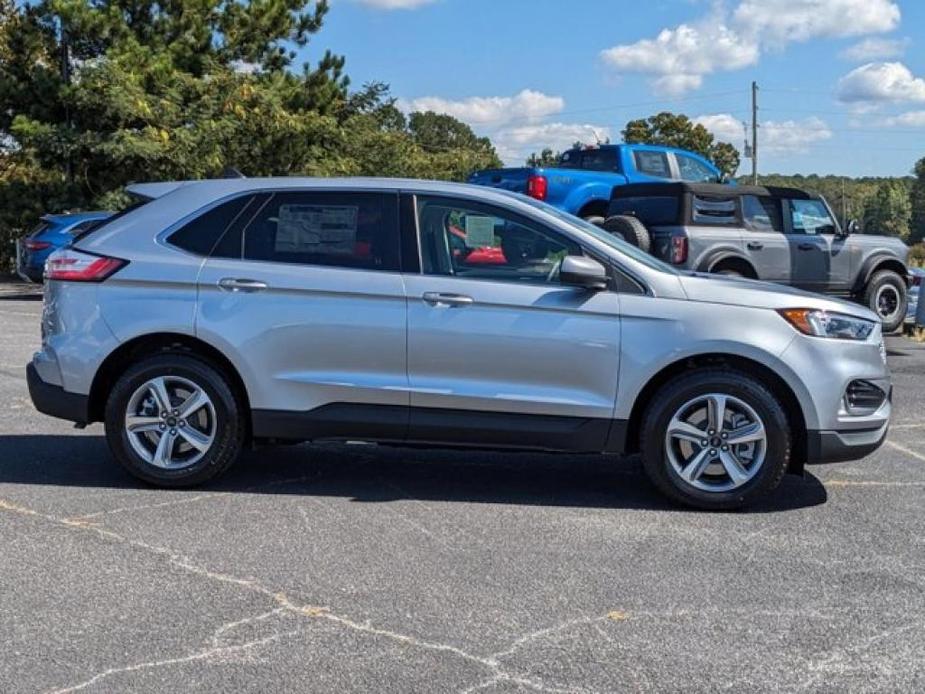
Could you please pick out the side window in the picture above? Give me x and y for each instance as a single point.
(652, 163)
(694, 170)
(350, 230)
(570, 159)
(471, 240)
(651, 211)
(761, 213)
(599, 160)
(201, 235)
(810, 217)
(713, 209)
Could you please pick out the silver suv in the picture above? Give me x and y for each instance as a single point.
(783, 235)
(411, 312)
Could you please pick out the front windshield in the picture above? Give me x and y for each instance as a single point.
(603, 236)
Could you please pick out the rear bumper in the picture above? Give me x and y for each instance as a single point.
(54, 400)
(840, 446)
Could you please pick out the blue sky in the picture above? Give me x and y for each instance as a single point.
(842, 82)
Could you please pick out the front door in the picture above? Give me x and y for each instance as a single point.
(307, 290)
(496, 345)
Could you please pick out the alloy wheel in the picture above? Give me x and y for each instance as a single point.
(887, 302)
(170, 422)
(716, 442)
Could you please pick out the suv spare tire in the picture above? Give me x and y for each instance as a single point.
(630, 230)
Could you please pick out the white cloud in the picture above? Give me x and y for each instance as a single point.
(515, 123)
(911, 119)
(875, 83)
(678, 58)
(783, 21)
(528, 105)
(396, 4)
(874, 49)
(773, 136)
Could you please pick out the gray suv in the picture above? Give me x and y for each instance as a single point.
(783, 235)
(221, 313)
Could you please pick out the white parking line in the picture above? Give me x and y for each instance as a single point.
(907, 451)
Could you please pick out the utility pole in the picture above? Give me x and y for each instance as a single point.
(66, 78)
(754, 133)
(844, 206)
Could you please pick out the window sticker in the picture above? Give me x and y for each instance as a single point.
(480, 231)
(327, 229)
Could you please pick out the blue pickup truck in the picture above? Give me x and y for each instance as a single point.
(582, 182)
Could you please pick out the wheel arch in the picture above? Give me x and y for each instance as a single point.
(147, 345)
(596, 207)
(731, 259)
(876, 263)
(778, 384)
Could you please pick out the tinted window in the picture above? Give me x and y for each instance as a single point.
(652, 163)
(351, 230)
(202, 234)
(713, 209)
(691, 169)
(570, 160)
(599, 160)
(470, 240)
(651, 211)
(810, 217)
(84, 226)
(761, 213)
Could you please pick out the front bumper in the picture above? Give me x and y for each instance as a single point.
(840, 446)
(54, 400)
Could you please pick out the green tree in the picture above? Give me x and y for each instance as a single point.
(677, 130)
(545, 158)
(917, 199)
(889, 211)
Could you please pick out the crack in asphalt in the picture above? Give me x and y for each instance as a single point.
(284, 603)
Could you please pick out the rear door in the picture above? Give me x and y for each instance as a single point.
(305, 290)
(766, 245)
(810, 230)
(502, 350)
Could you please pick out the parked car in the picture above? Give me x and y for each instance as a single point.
(917, 277)
(53, 232)
(782, 235)
(582, 182)
(307, 309)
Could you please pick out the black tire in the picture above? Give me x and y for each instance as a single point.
(887, 281)
(630, 230)
(594, 219)
(229, 422)
(682, 389)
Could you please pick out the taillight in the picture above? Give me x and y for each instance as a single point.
(69, 265)
(679, 246)
(537, 187)
(31, 245)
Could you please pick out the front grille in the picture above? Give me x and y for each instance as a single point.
(863, 397)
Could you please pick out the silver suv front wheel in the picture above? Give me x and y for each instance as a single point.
(715, 438)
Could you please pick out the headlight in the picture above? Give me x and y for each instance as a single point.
(819, 323)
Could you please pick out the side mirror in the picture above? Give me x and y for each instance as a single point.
(580, 271)
(853, 227)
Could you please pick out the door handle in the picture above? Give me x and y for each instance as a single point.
(441, 299)
(807, 246)
(755, 246)
(237, 284)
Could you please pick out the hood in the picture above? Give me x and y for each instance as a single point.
(738, 291)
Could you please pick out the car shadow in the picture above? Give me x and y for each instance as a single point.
(21, 296)
(376, 474)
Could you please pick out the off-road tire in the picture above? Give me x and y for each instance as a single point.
(880, 279)
(630, 230)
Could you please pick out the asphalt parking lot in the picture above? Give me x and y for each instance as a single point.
(359, 569)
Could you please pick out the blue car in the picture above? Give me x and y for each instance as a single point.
(53, 232)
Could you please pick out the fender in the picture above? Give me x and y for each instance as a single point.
(715, 255)
(580, 196)
(871, 265)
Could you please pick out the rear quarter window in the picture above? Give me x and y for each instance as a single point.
(201, 235)
(713, 209)
(652, 163)
(651, 211)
